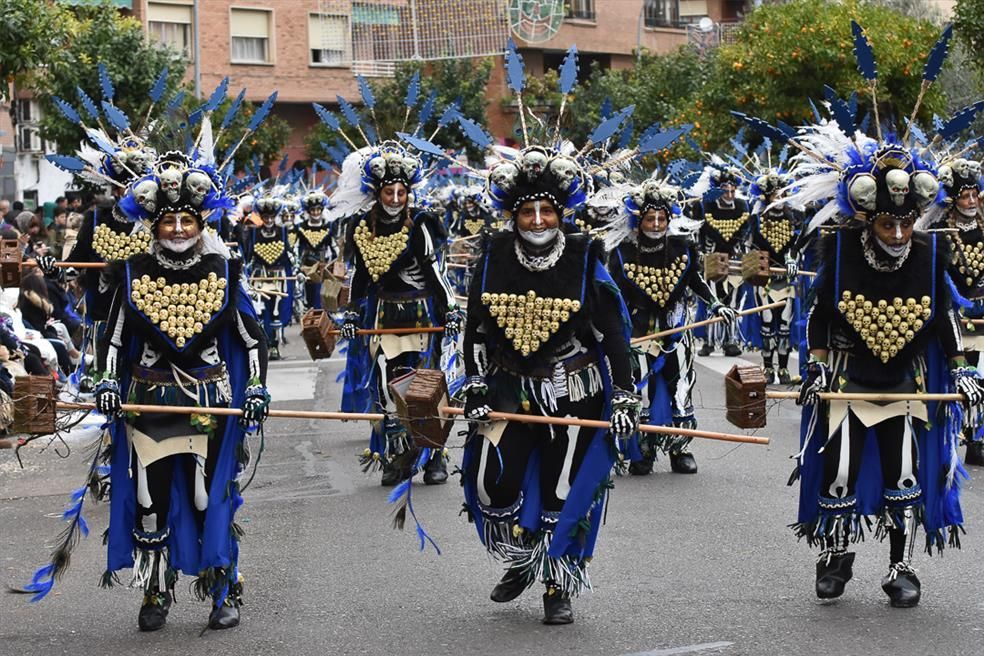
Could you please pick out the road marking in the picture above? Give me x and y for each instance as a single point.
(683, 650)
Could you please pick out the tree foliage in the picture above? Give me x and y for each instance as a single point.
(32, 34)
(968, 20)
(786, 53)
(464, 80)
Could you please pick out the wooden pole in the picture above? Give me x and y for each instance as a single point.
(868, 396)
(394, 331)
(705, 322)
(68, 265)
(737, 265)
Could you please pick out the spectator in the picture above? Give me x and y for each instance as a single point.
(37, 312)
(75, 203)
(61, 203)
(56, 233)
(72, 225)
(15, 209)
(4, 208)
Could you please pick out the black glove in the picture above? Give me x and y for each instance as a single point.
(350, 326)
(452, 323)
(967, 381)
(626, 407)
(108, 401)
(256, 406)
(719, 309)
(792, 267)
(816, 381)
(476, 393)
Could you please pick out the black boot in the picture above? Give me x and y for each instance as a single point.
(683, 463)
(153, 611)
(770, 374)
(902, 586)
(705, 350)
(557, 607)
(642, 467)
(509, 587)
(225, 616)
(436, 470)
(833, 573)
(785, 378)
(732, 350)
(975, 454)
(392, 474)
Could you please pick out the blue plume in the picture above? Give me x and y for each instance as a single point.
(176, 101)
(283, 165)
(852, 104)
(816, 113)
(104, 81)
(917, 133)
(325, 166)
(67, 163)
(100, 142)
(863, 53)
(626, 137)
(41, 583)
(428, 108)
(786, 130)
(413, 91)
(609, 126)
(327, 117)
(960, 121)
(423, 145)
(230, 114)
(606, 107)
(760, 126)
(661, 140)
(449, 114)
(937, 56)
(366, 92)
(342, 146)
(218, 95)
(348, 111)
(568, 71)
(690, 179)
(371, 135)
(262, 112)
(115, 117)
(196, 116)
(474, 132)
(160, 85)
(67, 110)
(88, 104)
(515, 76)
(399, 491)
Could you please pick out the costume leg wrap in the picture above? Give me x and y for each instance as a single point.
(502, 535)
(151, 571)
(566, 574)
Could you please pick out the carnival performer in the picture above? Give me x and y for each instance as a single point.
(724, 230)
(315, 246)
(271, 270)
(657, 268)
(881, 320)
(397, 282)
(774, 230)
(962, 221)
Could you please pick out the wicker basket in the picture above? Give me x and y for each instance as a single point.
(755, 268)
(716, 266)
(10, 263)
(34, 405)
(419, 396)
(744, 396)
(316, 327)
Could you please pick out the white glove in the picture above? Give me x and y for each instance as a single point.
(967, 381)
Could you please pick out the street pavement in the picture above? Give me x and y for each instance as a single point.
(699, 564)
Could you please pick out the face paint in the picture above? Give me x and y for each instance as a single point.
(539, 238)
(654, 234)
(393, 211)
(180, 246)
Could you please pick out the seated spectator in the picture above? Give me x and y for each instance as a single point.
(37, 312)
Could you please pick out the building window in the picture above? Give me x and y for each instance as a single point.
(581, 9)
(250, 32)
(170, 24)
(661, 13)
(691, 11)
(328, 39)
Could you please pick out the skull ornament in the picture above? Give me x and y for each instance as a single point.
(898, 186)
(863, 191)
(925, 185)
(945, 174)
(504, 175)
(534, 162)
(377, 167)
(145, 192)
(565, 170)
(171, 183)
(410, 166)
(198, 184)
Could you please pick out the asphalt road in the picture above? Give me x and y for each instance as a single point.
(685, 564)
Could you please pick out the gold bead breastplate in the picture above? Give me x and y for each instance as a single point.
(314, 237)
(269, 251)
(658, 283)
(968, 258)
(777, 234)
(529, 320)
(110, 245)
(179, 310)
(886, 327)
(727, 227)
(474, 226)
(380, 252)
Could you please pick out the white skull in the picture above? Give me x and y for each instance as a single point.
(198, 184)
(534, 161)
(863, 191)
(377, 166)
(565, 170)
(146, 194)
(961, 167)
(898, 186)
(171, 183)
(925, 185)
(651, 188)
(504, 175)
(410, 166)
(945, 174)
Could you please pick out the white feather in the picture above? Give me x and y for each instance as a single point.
(349, 199)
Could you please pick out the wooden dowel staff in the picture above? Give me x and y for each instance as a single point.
(394, 331)
(444, 410)
(737, 265)
(868, 396)
(271, 278)
(68, 265)
(705, 322)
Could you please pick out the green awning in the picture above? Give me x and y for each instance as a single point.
(365, 14)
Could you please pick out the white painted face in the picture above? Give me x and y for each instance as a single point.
(864, 191)
(898, 186)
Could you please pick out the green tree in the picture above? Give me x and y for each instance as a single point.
(464, 79)
(968, 20)
(32, 34)
(785, 54)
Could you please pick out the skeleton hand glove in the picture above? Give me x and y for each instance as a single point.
(452, 323)
(256, 407)
(730, 316)
(968, 382)
(350, 325)
(108, 401)
(817, 380)
(476, 399)
(625, 414)
(792, 267)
